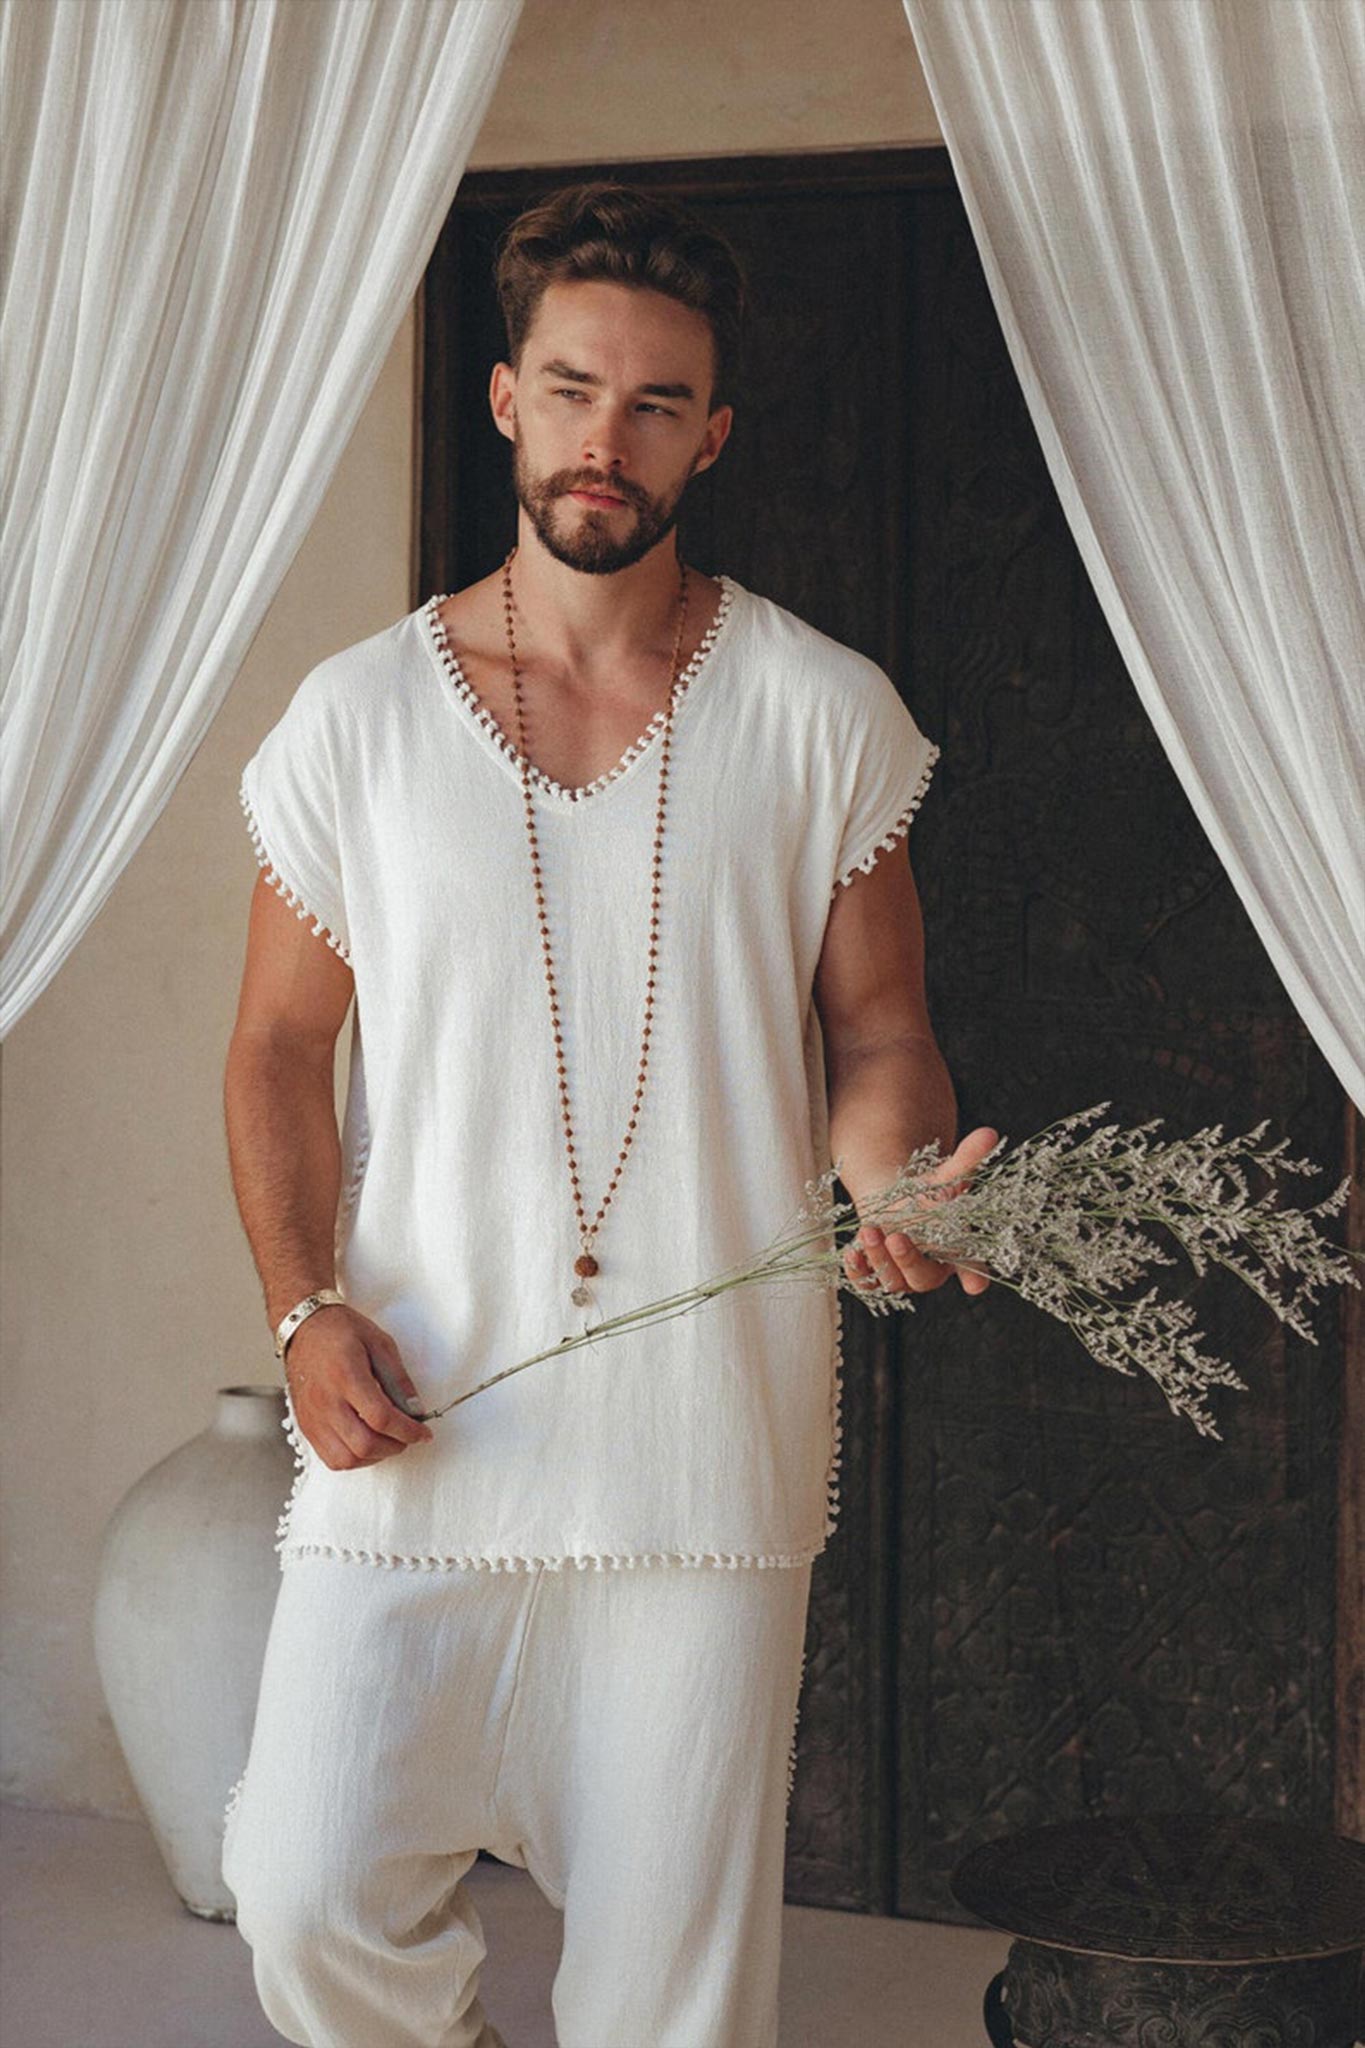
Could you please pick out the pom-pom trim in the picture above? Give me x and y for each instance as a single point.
(836, 1426)
(791, 1753)
(587, 1561)
(539, 780)
(278, 883)
(301, 1447)
(898, 830)
(234, 1800)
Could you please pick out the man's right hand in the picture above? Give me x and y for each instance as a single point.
(333, 1365)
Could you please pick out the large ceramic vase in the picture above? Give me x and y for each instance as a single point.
(188, 1576)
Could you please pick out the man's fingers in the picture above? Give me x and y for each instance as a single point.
(902, 1264)
(896, 1263)
(352, 1394)
(859, 1268)
(388, 1391)
(366, 1397)
(388, 1420)
(359, 1440)
(331, 1448)
(958, 1166)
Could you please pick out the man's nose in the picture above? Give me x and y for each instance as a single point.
(606, 444)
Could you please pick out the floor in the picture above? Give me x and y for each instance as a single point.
(98, 1951)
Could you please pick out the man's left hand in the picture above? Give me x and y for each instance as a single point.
(893, 1262)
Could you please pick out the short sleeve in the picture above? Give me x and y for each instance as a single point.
(887, 767)
(289, 796)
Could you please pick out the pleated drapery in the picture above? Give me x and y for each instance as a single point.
(216, 218)
(1167, 200)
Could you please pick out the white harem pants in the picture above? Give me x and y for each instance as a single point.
(623, 1734)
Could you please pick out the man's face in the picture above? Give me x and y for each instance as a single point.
(583, 418)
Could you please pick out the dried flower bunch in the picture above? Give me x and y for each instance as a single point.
(1060, 1220)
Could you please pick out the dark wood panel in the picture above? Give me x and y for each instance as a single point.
(1102, 1609)
(1047, 1595)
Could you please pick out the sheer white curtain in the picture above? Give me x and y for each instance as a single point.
(1167, 200)
(216, 216)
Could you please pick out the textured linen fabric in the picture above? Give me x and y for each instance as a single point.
(1166, 201)
(216, 215)
(387, 805)
(628, 1740)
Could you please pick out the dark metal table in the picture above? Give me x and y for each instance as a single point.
(1194, 1930)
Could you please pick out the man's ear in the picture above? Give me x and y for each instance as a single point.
(502, 388)
(716, 435)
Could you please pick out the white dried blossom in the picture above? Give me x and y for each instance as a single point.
(1060, 1220)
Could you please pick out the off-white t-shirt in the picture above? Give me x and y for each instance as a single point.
(386, 804)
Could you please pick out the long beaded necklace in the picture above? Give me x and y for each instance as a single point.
(585, 1265)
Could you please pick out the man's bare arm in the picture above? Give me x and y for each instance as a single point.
(284, 1153)
(889, 1087)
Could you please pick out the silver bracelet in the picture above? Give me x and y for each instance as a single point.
(300, 1314)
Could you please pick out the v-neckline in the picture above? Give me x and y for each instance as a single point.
(461, 693)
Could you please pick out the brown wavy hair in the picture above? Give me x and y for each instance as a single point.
(607, 230)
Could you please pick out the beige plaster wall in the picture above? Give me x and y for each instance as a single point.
(589, 80)
(127, 1291)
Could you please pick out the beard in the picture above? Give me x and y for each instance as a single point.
(594, 543)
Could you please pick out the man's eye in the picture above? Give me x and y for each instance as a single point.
(565, 391)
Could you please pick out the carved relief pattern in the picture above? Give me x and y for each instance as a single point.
(1100, 1610)
(1056, 2000)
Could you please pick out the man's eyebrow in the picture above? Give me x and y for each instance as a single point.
(558, 368)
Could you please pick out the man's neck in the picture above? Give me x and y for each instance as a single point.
(585, 622)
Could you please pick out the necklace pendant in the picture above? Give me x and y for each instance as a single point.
(580, 1296)
(585, 1264)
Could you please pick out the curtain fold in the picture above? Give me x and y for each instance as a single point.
(1167, 203)
(216, 217)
